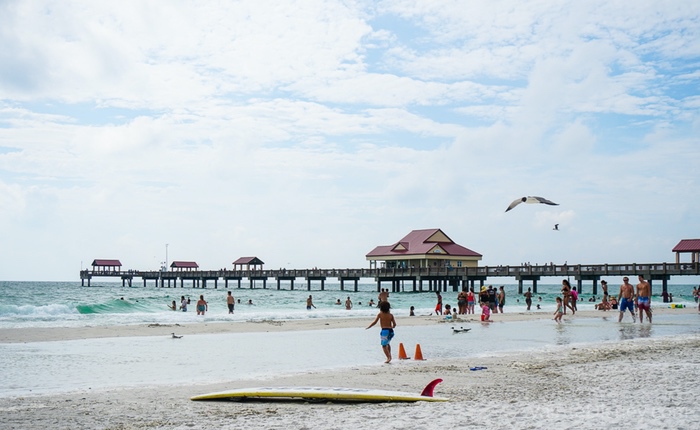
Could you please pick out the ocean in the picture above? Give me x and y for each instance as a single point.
(35, 368)
(68, 304)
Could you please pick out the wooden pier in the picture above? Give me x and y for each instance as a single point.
(420, 279)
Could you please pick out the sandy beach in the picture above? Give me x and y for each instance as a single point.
(647, 383)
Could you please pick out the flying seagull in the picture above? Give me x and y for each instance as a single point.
(556, 227)
(176, 337)
(531, 200)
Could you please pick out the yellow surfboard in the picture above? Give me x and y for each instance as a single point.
(324, 394)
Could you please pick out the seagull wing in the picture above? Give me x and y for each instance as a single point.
(545, 201)
(514, 204)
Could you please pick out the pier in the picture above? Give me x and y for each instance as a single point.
(400, 279)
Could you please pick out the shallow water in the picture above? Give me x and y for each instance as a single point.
(78, 365)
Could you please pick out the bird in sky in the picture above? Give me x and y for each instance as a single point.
(556, 227)
(531, 200)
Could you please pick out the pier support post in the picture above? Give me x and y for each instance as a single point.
(355, 284)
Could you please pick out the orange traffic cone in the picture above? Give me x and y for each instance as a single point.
(419, 353)
(402, 353)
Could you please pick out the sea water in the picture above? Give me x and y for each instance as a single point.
(68, 304)
(97, 364)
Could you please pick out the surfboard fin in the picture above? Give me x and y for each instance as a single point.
(428, 390)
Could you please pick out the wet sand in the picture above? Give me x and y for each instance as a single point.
(71, 333)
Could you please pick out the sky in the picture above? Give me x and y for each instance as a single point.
(308, 132)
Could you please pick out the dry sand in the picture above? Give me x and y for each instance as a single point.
(644, 383)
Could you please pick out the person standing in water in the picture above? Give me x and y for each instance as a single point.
(528, 298)
(310, 303)
(626, 299)
(643, 298)
(202, 306)
(387, 323)
(501, 298)
(566, 293)
(230, 302)
(438, 306)
(560, 310)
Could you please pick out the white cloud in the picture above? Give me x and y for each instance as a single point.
(309, 132)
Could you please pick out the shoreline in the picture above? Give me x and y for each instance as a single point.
(50, 334)
(578, 387)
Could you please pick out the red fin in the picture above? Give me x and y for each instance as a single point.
(428, 390)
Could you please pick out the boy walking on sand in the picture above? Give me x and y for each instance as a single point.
(387, 323)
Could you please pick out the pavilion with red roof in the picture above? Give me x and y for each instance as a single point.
(104, 265)
(691, 246)
(424, 248)
(184, 265)
(248, 262)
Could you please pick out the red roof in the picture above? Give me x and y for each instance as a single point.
(688, 245)
(185, 264)
(108, 263)
(422, 242)
(249, 260)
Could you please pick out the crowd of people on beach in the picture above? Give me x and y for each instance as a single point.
(628, 299)
(490, 299)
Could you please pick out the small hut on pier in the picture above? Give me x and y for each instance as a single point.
(104, 266)
(183, 266)
(248, 262)
(691, 246)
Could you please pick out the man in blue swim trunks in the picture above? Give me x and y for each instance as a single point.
(387, 323)
(626, 299)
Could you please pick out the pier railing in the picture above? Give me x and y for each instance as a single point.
(649, 270)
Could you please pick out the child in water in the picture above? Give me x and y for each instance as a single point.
(412, 313)
(387, 323)
(485, 312)
(560, 310)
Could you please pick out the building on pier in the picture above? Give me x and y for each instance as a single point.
(184, 266)
(691, 246)
(106, 266)
(255, 262)
(429, 248)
